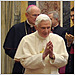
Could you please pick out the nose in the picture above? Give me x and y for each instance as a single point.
(36, 15)
(46, 30)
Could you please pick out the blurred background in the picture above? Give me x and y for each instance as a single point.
(13, 12)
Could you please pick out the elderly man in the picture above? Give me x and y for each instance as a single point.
(56, 28)
(42, 52)
(17, 32)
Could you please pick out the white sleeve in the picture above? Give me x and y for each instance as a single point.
(62, 58)
(26, 58)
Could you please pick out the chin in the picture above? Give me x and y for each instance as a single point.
(45, 36)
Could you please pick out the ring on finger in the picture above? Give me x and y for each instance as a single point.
(50, 49)
(47, 47)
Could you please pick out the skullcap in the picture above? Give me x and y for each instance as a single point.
(29, 7)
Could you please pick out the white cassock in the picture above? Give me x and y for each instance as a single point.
(30, 49)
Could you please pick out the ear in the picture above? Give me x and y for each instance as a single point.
(26, 14)
(36, 27)
(56, 19)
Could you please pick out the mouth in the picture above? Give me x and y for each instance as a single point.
(46, 34)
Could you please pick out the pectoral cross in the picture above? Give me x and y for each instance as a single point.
(42, 50)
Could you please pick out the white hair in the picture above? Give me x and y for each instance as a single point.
(29, 9)
(55, 14)
(42, 17)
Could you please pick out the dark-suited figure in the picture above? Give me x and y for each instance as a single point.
(57, 29)
(16, 33)
(70, 46)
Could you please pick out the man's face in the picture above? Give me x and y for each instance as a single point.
(53, 20)
(44, 28)
(72, 16)
(32, 15)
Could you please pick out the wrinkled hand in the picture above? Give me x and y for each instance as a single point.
(48, 50)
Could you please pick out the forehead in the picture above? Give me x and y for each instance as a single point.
(50, 15)
(35, 10)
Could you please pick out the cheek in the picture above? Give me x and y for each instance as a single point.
(29, 19)
(41, 31)
(49, 30)
(52, 22)
(32, 19)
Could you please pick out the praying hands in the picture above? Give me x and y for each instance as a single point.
(49, 50)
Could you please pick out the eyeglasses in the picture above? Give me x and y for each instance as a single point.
(34, 15)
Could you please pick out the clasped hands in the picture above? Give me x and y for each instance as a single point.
(49, 50)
